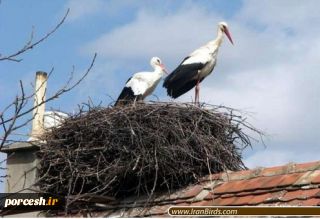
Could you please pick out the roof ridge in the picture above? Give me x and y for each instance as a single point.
(289, 168)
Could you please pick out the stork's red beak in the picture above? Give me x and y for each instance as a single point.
(226, 31)
(164, 68)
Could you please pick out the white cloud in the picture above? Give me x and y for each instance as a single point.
(150, 34)
(82, 8)
(268, 96)
(273, 69)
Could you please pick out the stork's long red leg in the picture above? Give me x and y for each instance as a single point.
(195, 95)
(197, 92)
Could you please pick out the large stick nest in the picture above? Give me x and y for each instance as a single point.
(141, 149)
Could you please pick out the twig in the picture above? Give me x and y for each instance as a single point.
(29, 45)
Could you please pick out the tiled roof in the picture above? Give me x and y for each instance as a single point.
(289, 185)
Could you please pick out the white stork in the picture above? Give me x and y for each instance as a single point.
(142, 84)
(53, 119)
(195, 67)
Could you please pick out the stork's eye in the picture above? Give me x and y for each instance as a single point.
(158, 60)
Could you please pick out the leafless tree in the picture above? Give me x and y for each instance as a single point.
(17, 113)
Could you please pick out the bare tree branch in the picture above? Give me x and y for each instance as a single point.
(29, 45)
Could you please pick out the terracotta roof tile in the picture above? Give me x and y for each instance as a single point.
(258, 199)
(203, 193)
(308, 177)
(289, 179)
(224, 201)
(133, 212)
(243, 200)
(241, 175)
(211, 196)
(158, 210)
(258, 191)
(311, 202)
(263, 182)
(308, 202)
(266, 182)
(294, 202)
(308, 166)
(191, 191)
(182, 204)
(301, 194)
(212, 184)
(171, 196)
(202, 203)
(177, 201)
(316, 180)
(276, 196)
(229, 187)
(213, 177)
(227, 195)
(273, 171)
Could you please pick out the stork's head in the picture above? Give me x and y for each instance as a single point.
(156, 62)
(223, 26)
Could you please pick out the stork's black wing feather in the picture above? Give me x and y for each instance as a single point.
(173, 74)
(126, 96)
(182, 79)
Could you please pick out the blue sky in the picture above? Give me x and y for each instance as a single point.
(272, 71)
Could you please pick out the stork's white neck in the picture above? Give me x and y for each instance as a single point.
(158, 70)
(220, 36)
(218, 40)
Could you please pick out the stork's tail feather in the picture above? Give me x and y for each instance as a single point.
(126, 97)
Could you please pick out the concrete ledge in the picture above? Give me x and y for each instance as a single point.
(20, 146)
